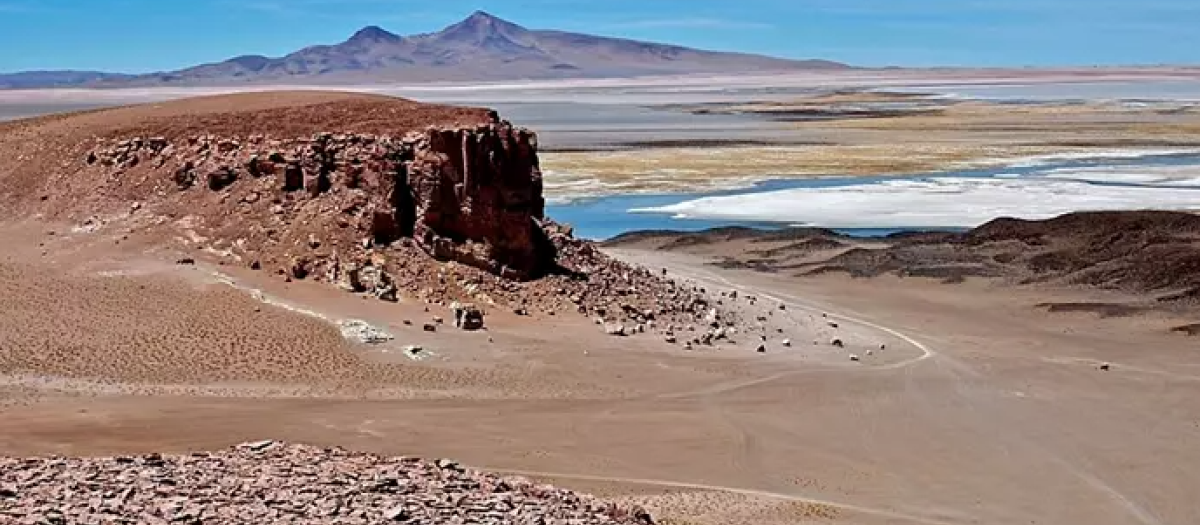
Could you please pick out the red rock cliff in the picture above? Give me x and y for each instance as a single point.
(472, 195)
(477, 195)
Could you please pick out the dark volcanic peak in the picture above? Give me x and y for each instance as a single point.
(374, 35)
(481, 24)
(485, 37)
(481, 47)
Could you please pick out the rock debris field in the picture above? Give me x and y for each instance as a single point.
(269, 482)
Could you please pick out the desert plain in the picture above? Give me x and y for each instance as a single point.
(894, 398)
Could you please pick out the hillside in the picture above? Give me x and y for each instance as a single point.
(375, 195)
(480, 48)
(1152, 254)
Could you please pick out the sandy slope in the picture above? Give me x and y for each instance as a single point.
(982, 409)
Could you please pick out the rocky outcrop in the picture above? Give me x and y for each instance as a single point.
(442, 215)
(267, 482)
(468, 195)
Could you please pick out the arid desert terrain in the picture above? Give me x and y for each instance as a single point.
(189, 276)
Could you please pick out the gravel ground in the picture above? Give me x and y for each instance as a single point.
(268, 482)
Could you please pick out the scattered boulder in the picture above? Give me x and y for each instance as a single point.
(615, 329)
(221, 178)
(256, 446)
(185, 176)
(397, 513)
(300, 267)
(387, 293)
(467, 316)
(185, 261)
(293, 177)
(712, 316)
(363, 332)
(414, 352)
(837, 342)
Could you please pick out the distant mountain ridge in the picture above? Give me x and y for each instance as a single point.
(480, 48)
(63, 78)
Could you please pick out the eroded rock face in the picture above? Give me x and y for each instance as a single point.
(477, 196)
(469, 195)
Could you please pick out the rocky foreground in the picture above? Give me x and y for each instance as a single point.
(267, 482)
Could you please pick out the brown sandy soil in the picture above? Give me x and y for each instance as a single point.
(981, 409)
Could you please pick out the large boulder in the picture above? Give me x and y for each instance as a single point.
(467, 316)
(221, 177)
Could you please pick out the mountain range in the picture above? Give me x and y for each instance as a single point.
(480, 48)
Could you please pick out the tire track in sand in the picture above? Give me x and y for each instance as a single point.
(1131, 508)
(871, 511)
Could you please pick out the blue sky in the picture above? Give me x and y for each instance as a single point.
(151, 35)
